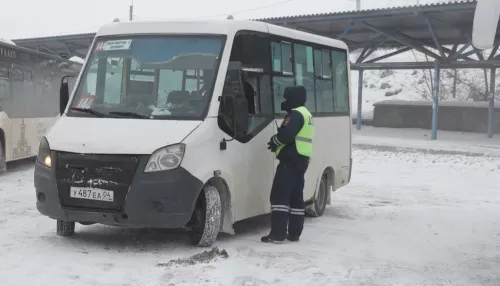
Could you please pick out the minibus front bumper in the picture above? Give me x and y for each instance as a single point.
(163, 199)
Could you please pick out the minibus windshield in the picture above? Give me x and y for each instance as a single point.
(148, 77)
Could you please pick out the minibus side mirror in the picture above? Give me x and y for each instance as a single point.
(238, 124)
(63, 95)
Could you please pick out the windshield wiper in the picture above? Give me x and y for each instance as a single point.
(130, 114)
(88, 110)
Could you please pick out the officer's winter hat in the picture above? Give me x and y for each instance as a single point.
(294, 97)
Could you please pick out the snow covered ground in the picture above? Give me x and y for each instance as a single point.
(448, 142)
(407, 218)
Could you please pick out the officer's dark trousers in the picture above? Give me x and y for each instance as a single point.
(287, 199)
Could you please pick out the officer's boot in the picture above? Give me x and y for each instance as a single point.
(279, 220)
(271, 239)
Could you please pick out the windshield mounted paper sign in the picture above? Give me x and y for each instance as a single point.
(116, 45)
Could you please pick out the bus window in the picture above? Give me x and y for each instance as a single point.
(4, 89)
(304, 72)
(340, 81)
(4, 85)
(276, 53)
(283, 72)
(16, 74)
(282, 57)
(323, 81)
(4, 72)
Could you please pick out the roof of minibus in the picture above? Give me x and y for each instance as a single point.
(220, 27)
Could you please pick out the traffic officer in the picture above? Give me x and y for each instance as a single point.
(293, 148)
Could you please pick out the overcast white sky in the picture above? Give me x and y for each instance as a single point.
(39, 18)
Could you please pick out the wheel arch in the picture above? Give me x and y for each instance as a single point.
(225, 196)
(329, 172)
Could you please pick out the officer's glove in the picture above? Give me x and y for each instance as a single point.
(271, 146)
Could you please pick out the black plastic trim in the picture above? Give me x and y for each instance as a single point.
(164, 199)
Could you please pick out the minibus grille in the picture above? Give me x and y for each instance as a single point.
(96, 172)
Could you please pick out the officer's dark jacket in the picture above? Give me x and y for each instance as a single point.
(293, 122)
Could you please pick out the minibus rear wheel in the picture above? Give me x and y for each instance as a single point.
(206, 218)
(317, 208)
(3, 165)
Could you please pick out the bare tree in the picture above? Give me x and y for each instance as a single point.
(465, 84)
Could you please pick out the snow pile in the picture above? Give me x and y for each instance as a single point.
(204, 257)
(77, 60)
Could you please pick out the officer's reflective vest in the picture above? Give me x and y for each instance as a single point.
(304, 138)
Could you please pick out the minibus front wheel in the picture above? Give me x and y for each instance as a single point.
(206, 219)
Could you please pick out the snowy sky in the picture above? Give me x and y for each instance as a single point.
(34, 18)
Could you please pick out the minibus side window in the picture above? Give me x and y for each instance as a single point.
(283, 70)
(340, 82)
(304, 73)
(323, 82)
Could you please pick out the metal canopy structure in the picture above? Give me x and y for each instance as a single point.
(63, 46)
(441, 31)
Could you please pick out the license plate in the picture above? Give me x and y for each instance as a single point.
(91, 194)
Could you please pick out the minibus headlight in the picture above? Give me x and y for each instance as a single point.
(44, 153)
(166, 158)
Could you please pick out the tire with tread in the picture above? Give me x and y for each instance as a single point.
(208, 218)
(3, 165)
(65, 228)
(317, 208)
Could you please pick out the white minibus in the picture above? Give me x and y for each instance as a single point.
(168, 126)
